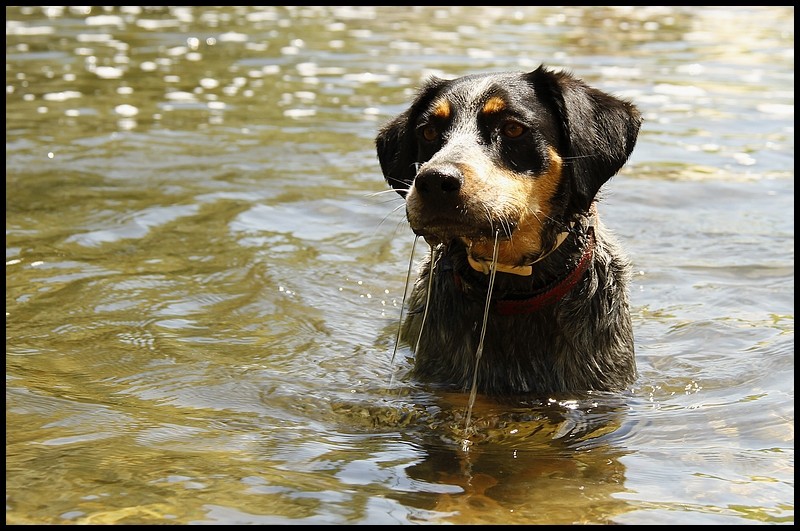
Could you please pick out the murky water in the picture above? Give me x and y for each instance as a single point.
(203, 279)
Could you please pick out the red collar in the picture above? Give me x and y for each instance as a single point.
(551, 294)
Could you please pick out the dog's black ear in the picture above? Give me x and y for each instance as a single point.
(396, 150)
(598, 130)
(397, 144)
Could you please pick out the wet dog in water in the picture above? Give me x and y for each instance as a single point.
(524, 289)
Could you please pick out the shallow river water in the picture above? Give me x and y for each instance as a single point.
(204, 276)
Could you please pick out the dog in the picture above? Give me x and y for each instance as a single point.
(524, 291)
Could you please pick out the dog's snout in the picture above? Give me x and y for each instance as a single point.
(439, 182)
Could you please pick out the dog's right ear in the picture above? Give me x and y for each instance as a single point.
(397, 143)
(396, 150)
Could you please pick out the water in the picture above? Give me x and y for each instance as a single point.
(203, 276)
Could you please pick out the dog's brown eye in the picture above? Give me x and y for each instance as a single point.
(513, 129)
(429, 133)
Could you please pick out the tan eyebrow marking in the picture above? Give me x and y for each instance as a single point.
(494, 104)
(441, 109)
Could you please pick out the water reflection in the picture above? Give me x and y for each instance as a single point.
(514, 487)
(527, 461)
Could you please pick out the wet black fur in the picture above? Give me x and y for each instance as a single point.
(584, 342)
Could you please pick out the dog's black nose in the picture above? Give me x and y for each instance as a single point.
(438, 182)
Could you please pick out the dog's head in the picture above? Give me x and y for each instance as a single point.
(518, 154)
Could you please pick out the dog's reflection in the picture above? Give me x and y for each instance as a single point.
(548, 462)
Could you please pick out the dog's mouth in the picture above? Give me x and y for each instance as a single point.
(444, 231)
(481, 242)
(514, 243)
(484, 228)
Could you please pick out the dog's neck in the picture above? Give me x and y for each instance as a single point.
(524, 289)
(484, 265)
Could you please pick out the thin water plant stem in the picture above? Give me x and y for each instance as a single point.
(474, 391)
(427, 296)
(403, 303)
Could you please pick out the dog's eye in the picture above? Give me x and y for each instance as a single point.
(513, 129)
(429, 133)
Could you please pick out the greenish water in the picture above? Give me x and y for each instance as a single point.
(204, 276)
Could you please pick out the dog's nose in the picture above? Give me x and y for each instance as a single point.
(438, 182)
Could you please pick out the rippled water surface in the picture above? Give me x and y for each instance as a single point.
(204, 276)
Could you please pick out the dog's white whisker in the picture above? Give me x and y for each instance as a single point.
(386, 217)
(391, 191)
(506, 225)
(563, 225)
(576, 157)
(473, 393)
(395, 209)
